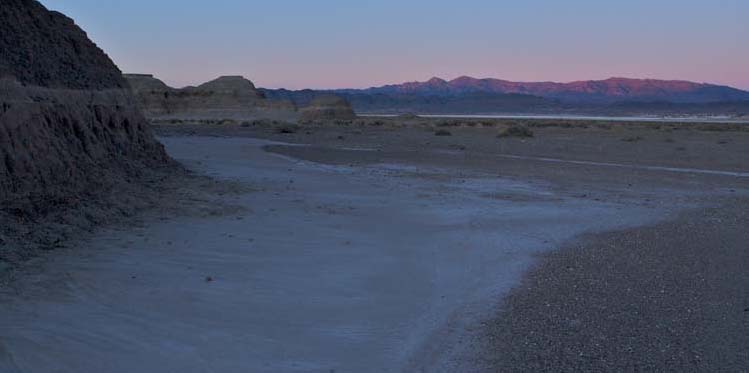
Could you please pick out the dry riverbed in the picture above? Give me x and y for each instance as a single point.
(378, 248)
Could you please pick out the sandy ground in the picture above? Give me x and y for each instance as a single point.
(392, 251)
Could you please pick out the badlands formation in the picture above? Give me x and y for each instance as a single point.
(228, 97)
(369, 245)
(68, 124)
(328, 107)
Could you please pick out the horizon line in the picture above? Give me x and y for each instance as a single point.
(251, 79)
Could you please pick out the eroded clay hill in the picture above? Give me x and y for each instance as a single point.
(69, 125)
(328, 107)
(228, 97)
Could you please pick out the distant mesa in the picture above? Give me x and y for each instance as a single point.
(232, 85)
(328, 107)
(227, 97)
(146, 83)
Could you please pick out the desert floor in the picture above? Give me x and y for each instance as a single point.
(381, 248)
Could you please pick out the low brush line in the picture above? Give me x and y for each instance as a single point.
(623, 165)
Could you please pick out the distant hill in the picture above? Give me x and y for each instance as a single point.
(590, 91)
(467, 95)
(228, 97)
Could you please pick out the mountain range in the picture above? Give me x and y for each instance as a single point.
(467, 95)
(589, 91)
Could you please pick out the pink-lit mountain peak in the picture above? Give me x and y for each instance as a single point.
(611, 89)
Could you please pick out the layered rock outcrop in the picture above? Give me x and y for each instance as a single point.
(228, 97)
(327, 107)
(69, 125)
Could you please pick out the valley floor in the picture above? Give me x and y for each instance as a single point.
(392, 249)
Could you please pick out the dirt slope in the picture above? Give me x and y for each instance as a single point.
(69, 127)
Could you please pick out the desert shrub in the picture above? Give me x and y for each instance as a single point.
(603, 126)
(718, 127)
(442, 132)
(408, 116)
(724, 127)
(287, 128)
(516, 131)
(448, 123)
(259, 123)
(632, 139)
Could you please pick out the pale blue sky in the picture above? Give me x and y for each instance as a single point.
(348, 43)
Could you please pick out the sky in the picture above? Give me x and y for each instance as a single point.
(361, 43)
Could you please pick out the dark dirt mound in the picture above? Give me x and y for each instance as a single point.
(69, 127)
(45, 48)
(515, 131)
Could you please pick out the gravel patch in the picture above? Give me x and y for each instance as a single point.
(671, 297)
